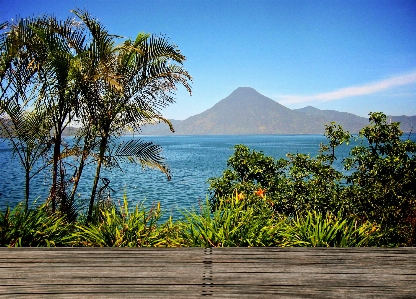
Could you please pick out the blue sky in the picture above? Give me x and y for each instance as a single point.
(352, 56)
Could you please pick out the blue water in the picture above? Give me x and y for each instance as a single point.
(191, 159)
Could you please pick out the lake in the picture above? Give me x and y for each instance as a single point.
(191, 159)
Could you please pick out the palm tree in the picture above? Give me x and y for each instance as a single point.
(74, 70)
(28, 132)
(63, 42)
(145, 73)
(38, 70)
(26, 128)
(95, 69)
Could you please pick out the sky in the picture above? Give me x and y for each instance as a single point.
(351, 56)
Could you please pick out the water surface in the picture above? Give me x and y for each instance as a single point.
(191, 159)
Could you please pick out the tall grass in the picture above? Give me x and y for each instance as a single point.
(34, 227)
(326, 230)
(123, 227)
(234, 222)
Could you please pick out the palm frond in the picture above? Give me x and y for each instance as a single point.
(145, 153)
(101, 49)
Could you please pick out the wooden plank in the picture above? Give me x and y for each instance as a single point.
(100, 272)
(319, 273)
(217, 272)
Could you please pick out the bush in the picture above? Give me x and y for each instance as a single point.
(379, 184)
(382, 185)
(294, 185)
(247, 172)
(32, 228)
(234, 222)
(326, 230)
(129, 228)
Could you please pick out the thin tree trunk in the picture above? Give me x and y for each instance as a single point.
(27, 190)
(103, 146)
(62, 189)
(77, 178)
(56, 156)
(88, 141)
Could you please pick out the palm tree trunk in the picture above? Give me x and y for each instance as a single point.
(27, 189)
(56, 156)
(77, 178)
(103, 146)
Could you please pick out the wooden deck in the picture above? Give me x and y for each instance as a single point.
(217, 273)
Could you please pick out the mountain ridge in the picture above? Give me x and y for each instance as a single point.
(246, 111)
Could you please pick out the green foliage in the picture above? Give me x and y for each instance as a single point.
(379, 184)
(33, 228)
(336, 136)
(292, 185)
(382, 185)
(72, 70)
(234, 222)
(299, 201)
(326, 230)
(309, 184)
(129, 228)
(247, 172)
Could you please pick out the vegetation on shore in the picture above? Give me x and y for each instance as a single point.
(54, 73)
(234, 224)
(376, 186)
(260, 201)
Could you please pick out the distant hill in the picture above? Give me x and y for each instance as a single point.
(407, 123)
(160, 128)
(349, 121)
(245, 111)
(6, 121)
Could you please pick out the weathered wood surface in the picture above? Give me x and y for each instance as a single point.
(217, 273)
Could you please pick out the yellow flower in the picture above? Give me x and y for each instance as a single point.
(239, 196)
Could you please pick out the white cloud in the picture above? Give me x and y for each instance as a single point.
(350, 91)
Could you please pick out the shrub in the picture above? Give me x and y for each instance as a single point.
(36, 227)
(294, 185)
(314, 229)
(382, 185)
(379, 184)
(129, 228)
(234, 222)
(247, 172)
